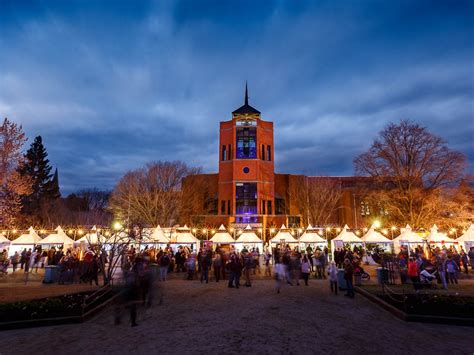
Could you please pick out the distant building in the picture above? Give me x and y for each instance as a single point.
(248, 191)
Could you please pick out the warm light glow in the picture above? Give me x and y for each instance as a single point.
(357, 232)
(107, 233)
(453, 230)
(338, 230)
(204, 230)
(328, 229)
(300, 230)
(70, 231)
(272, 230)
(80, 231)
(394, 228)
(194, 230)
(42, 231)
(213, 231)
(231, 229)
(377, 224)
(240, 232)
(14, 231)
(127, 230)
(260, 230)
(98, 230)
(384, 231)
(117, 226)
(365, 230)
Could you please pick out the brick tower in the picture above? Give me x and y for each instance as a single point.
(246, 170)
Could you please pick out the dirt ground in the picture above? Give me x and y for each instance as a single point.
(212, 318)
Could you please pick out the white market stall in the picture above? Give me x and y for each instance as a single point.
(58, 239)
(155, 237)
(283, 237)
(24, 241)
(467, 239)
(182, 236)
(343, 239)
(222, 236)
(311, 238)
(372, 237)
(4, 242)
(438, 239)
(407, 238)
(92, 238)
(248, 240)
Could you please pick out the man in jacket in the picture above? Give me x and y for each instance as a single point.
(348, 276)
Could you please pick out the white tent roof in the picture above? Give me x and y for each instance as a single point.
(311, 236)
(347, 237)
(222, 236)
(468, 236)
(372, 236)
(91, 238)
(407, 236)
(157, 236)
(248, 236)
(57, 238)
(438, 237)
(4, 240)
(27, 239)
(283, 235)
(183, 235)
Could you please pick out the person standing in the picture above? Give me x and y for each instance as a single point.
(23, 259)
(267, 257)
(471, 257)
(217, 265)
(279, 273)
(464, 260)
(413, 273)
(441, 267)
(164, 263)
(332, 273)
(452, 269)
(348, 276)
(15, 258)
(305, 269)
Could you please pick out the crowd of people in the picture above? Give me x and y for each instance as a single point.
(441, 264)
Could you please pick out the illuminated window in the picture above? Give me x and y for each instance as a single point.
(246, 143)
(246, 202)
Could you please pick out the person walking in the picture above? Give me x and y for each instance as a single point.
(471, 257)
(465, 261)
(217, 265)
(452, 269)
(305, 269)
(332, 273)
(267, 257)
(348, 276)
(164, 262)
(441, 267)
(279, 273)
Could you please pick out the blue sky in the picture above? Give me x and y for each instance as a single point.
(111, 85)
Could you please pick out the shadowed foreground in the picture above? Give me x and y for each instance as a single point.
(212, 318)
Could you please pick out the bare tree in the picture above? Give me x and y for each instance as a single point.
(12, 184)
(151, 195)
(415, 167)
(317, 198)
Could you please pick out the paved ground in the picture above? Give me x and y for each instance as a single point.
(211, 318)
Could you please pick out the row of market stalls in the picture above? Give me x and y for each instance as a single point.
(183, 236)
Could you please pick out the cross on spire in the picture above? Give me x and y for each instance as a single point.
(246, 94)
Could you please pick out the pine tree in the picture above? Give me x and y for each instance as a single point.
(45, 188)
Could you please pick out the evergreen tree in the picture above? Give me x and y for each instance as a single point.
(45, 188)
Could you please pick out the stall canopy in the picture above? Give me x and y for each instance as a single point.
(437, 237)
(468, 237)
(248, 236)
(58, 238)
(311, 236)
(222, 236)
(345, 237)
(283, 236)
(92, 238)
(157, 236)
(31, 238)
(407, 236)
(374, 237)
(4, 240)
(183, 235)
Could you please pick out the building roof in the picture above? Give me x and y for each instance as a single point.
(246, 108)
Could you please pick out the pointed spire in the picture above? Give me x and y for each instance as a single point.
(246, 94)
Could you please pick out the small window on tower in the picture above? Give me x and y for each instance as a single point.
(263, 207)
(229, 152)
(269, 153)
(263, 152)
(269, 207)
(222, 207)
(228, 207)
(224, 153)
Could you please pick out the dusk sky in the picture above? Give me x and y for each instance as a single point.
(113, 85)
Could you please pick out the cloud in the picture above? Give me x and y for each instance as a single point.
(112, 90)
